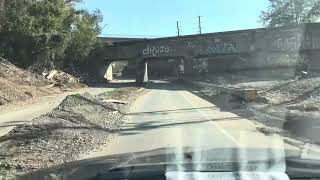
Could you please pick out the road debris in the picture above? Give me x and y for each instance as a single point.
(60, 77)
(51, 74)
(115, 101)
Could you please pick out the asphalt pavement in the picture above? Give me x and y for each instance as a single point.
(168, 117)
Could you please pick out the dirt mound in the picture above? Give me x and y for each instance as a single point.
(17, 84)
(19, 76)
(291, 91)
(78, 125)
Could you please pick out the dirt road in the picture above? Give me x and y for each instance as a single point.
(172, 117)
(16, 114)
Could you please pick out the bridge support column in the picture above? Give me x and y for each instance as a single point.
(109, 73)
(142, 73)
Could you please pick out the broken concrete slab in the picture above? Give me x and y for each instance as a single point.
(52, 74)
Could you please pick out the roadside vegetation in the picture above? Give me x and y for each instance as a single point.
(48, 34)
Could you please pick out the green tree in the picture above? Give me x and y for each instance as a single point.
(85, 31)
(290, 12)
(48, 31)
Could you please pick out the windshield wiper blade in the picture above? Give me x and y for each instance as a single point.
(154, 173)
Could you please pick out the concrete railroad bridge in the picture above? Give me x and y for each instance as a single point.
(262, 48)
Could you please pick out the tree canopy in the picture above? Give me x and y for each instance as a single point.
(48, 30)
(288, 12)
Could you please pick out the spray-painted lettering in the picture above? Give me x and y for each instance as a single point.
(191, 45)
(221, 48)
(156, 50)
(288, 41)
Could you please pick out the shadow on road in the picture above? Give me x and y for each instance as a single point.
(170, 85)
(171, 110)
(121, 84)
(165, 84)
(137, 128)
(226, 102)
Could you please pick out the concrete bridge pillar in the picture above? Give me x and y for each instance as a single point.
(109, 73)
(142, 72)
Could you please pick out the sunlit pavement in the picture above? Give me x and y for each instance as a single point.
(172, 117)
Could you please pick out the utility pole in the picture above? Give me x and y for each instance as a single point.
(178, 28)
(199, 23)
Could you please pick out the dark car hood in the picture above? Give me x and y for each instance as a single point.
(172, 159)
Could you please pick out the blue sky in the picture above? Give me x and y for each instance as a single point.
(157, 18)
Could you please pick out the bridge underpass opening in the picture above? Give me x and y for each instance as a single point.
(126, 71)
(120, 70)
(143, 70)
(165, 68)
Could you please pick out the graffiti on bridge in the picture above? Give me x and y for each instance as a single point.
(215, 46)
(200, 65)
(221, 48)
(294, 41)
(156, 50)
(287, 40)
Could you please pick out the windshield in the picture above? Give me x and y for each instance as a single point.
(193, 86)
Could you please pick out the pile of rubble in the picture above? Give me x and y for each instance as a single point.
(60, 77)
(77, 126)
(17, 84)
(291, 91)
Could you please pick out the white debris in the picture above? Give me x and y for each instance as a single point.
(60, 77)
(52, 74)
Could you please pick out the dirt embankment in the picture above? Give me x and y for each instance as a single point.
(290, 107)
(77, 126)
(278, 95)
(291, 92)
(17, 84)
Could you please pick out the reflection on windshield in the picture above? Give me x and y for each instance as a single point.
(107, 90)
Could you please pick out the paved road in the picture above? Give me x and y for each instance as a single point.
(23, 113)
(176, 118)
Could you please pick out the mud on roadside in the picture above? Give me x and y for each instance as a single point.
(77, 126)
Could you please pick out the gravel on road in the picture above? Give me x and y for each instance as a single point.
(77, 126)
